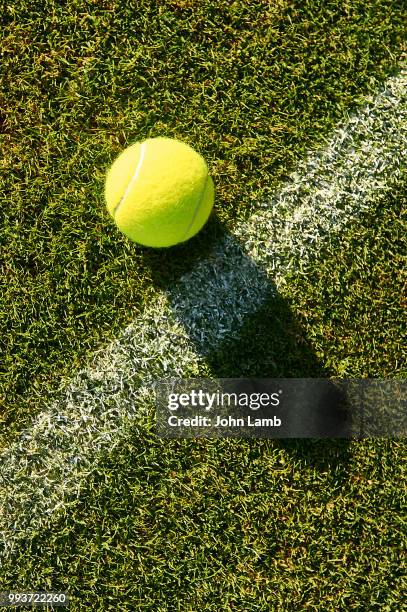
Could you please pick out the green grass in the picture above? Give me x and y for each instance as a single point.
(209, 525)
(354, 318)
(201, 525)
(81, 82)
(341, 316)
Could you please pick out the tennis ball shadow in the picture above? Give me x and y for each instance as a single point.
(237, 320)
(272, 344)
(166, 265)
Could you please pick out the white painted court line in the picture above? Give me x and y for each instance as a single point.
(365, 157)
(41, 471)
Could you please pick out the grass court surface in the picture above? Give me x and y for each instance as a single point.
(258, 88)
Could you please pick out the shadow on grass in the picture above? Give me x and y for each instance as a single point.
(264, 340)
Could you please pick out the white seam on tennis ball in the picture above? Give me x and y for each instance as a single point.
(196, 209)
(132, 180)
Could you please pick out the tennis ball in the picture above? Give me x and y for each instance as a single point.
(159, 192)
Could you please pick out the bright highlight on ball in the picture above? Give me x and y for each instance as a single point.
(159, 192)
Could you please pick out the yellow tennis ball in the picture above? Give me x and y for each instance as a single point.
(159, 192)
